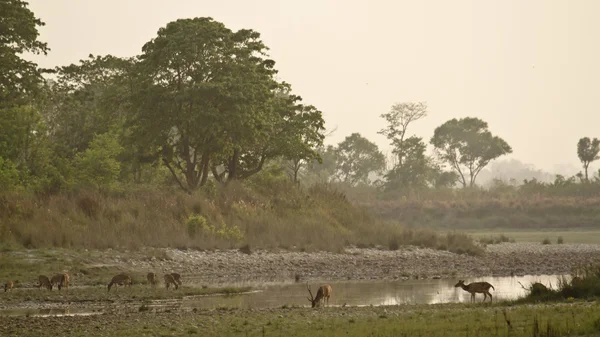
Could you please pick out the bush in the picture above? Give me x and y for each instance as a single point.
(560, 240)
(196, 223)
(546, 241)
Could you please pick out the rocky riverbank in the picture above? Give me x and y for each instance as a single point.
(234, 267)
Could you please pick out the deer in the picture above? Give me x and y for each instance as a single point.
(121, 279)
(476, 287)
(8, 286)
(61, 280)
(323, 293)
(152, 279)
(44, 281)
(176, 277)
(169, 279)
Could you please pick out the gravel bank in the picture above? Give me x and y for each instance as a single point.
(234, 267)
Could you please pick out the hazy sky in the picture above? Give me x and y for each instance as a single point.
(529, 68)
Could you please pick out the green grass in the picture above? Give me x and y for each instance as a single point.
(450, 320)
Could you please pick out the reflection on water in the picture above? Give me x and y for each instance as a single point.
(356, 293)
(378, 293)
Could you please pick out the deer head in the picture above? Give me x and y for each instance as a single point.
(312, 300)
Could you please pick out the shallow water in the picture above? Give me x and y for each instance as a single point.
(352, 293)
(377, 293)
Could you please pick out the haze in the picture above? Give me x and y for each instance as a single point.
(528, 68)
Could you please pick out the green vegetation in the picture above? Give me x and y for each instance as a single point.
(576, 319)
(584, 285)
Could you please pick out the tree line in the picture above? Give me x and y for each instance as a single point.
(202, 102)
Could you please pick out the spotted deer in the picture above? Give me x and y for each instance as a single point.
(322, 294)
(8, 286)
(176, 277)
(121, 279)
(476, 287)
(152, 279)
(169, 279)
(44, 281)
(61, 280)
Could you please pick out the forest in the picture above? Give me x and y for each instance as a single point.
(196, 142)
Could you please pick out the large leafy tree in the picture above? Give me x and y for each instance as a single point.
(208, 100)
(290, 130)
(357, 157)
(467, 146)
(587, 151)
(19, 79)
(87, 99)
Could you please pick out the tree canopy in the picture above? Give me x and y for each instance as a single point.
(587, 151)
(467, 146)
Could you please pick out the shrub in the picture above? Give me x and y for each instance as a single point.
(546, 241)
(560, 240)
(196, 223)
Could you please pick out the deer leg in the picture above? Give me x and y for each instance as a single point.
(490, 295)
(484, 297)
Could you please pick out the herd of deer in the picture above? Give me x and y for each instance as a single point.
(323, 293)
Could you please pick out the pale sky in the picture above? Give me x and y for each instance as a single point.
(530, 68)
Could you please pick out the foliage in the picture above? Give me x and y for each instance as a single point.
(468, 146)
(98, 165)
(19, 79)
(357, 157)
(587, 151)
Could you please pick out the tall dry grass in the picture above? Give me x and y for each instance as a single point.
(265, 212)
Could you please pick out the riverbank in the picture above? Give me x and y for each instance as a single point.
(235, 268)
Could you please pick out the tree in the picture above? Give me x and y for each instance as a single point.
(411, 164)
(398, 119)
(587, 151)
(468, 146)
(292, 131)
(357, 157)
(19, 79)
(205, 92)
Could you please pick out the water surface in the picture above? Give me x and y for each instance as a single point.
(351, 293)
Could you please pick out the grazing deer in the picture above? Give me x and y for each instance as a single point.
(169, 279)
(322, 294)
(8, 286)
(44, 281)
(121, 279)
(61, 280)
(476, 287)
(176, 277)
(152, 279)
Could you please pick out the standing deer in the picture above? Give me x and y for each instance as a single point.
(61, 280)
(476, 287)
(8, 286)
(322, 294)
(152, 279)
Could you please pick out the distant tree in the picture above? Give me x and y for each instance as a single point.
(357, 157)
(400, 116)
(411, 165)
(324, 170)
(468, 146)
(19, 78)
(587, 151)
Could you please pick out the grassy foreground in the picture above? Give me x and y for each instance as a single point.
(580, 318)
